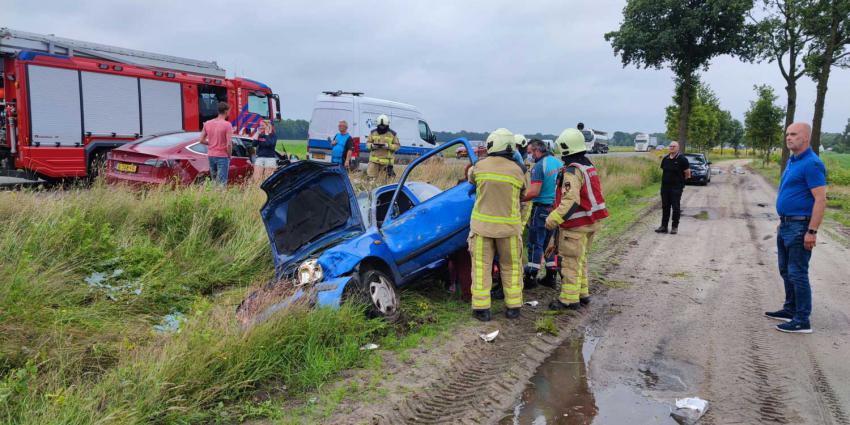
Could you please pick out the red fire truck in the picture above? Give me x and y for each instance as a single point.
(65, 103)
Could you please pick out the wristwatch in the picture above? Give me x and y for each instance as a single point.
(812, 231)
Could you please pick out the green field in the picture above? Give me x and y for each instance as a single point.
(293, 147)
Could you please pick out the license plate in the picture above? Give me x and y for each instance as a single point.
(126, 168)
(319, 155)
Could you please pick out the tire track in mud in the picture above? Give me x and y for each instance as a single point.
(826, 396)
(482, 385)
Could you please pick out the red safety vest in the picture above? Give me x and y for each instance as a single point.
(591, 207)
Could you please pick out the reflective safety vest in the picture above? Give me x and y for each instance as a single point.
(339, 148)
(499, 184)
(382, 155)
(591, 207)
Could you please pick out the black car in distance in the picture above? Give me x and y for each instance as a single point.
(700, 168)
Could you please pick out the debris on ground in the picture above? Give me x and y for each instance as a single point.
(533, 303)
(490, 336)
(689, 410)
(170, 323)
(369, 346)
(109, 284)
(739, 170)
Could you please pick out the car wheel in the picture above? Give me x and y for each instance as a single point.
(378, 292)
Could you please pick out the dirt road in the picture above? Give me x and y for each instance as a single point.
(683, 317)
(691, 324)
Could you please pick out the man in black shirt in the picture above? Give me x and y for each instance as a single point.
(675, 170)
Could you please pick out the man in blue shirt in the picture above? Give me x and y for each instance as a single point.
(541, 193)
(800, 205)
(341, 146)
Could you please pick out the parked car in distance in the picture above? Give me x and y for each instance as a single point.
(478, 147)
(700, 168)
(330, 245)
(172, 158)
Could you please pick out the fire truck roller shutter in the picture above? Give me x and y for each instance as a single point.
(54, 99)
(162, 106)
(110, 104)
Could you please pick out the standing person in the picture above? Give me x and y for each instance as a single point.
(580, 207)
(341, 146)
(541, 193)
(217, 134)
(266, 161)
(382, 144)
(496, 225)
(522, 147)
(675, 170)
(800, 204)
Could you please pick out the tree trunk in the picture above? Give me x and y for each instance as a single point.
(790, 111)
(684, 110)
(820, 100)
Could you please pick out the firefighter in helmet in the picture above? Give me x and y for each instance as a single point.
(382, 143)
(496, 225)
(579, 209)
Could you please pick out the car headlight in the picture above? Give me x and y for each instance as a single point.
(309, 272)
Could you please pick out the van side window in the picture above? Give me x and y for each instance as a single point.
(425, 132)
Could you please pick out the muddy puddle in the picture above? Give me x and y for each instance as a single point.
(561, 393)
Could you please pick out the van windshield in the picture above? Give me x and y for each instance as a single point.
(325, 122)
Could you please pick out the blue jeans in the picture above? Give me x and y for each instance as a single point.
(538, 237)
(219, 166)
(794, 269)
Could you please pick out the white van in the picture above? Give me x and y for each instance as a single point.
(362, 112)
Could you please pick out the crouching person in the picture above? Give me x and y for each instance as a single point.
(579, 208)
(496, 225)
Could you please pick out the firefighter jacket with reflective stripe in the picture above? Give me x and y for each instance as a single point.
(382, 147)
(580, 186)
(500, 184)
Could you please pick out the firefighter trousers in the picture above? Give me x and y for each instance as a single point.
(482, 251)
(376, 170)
(573, 247)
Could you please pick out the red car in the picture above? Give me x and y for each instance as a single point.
(172, 158)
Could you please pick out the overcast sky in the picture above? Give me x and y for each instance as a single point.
(475, 65)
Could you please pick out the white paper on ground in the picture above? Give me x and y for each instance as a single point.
(490, 336)
(694, 403)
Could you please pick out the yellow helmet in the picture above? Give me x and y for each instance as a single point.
(571, 141)
(383, 119)
(500, 140)
(520, 140)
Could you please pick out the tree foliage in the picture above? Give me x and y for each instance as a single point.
(292, 129)
(764, 121)
(683, 36)
(708, 123)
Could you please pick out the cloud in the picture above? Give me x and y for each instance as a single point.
(475, 65)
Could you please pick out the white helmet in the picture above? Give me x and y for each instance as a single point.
(520, 140)
(383, 119)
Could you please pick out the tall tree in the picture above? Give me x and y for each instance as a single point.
(684, 36)
(781, 39)
(764, 121)
(828, 21)
(737, 135)
(704, 123)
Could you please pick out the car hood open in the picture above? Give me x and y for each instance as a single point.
(310, 207)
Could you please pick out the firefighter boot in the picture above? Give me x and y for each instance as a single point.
(551, 279)
(512, 313)
(557, 305)
(584, 300)
(482, 315)
(530, 279)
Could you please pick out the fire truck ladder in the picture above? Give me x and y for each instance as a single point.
(13, 42)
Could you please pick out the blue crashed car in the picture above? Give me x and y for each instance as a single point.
(330, 244)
